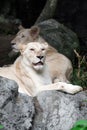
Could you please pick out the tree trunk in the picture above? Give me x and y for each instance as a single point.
(48, 11)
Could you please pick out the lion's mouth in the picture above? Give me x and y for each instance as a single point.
(15, 50)
(38, 63)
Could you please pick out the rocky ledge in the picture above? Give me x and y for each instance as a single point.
(49, 110)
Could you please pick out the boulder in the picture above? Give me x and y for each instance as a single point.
(16, 110)
(59, 111)
(49, 110)
(60, 37)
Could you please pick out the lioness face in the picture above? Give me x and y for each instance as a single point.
(24, 36)
(34, 54)
(21, 38)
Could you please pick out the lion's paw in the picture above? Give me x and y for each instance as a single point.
(74, 89)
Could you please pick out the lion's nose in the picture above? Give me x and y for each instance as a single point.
(40, 57)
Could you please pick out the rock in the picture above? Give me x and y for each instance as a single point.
(60, 37)
(59, 111)
(16, 110)
(49, 110)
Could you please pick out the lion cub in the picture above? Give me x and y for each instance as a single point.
(60, 66)
(31, 72)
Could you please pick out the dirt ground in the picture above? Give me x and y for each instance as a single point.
(5, 48)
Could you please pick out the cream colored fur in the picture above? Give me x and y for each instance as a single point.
(60, 66)
(31, 72)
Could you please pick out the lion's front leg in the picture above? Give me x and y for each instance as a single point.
(69, 88)
(62, 86)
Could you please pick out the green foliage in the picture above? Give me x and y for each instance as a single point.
(1, 126)
(80, 125)
(80, 72)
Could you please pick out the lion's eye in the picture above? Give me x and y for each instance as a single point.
(32, 49)
(22, 36)
(42, 49)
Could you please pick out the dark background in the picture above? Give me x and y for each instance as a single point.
(72, 13)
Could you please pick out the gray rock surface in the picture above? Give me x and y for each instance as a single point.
(49, 110)
(16, 110)
(59, 111)
(60, 37)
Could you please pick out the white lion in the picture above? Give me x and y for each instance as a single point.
(60, 67)
(31, 72)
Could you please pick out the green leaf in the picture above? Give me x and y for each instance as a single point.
(1, 126)
(80, 125)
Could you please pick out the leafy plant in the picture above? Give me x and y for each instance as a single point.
(1, 126)
(80, 125)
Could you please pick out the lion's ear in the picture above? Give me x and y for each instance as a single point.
(20, 27)
(34, 32)
(22, 48)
